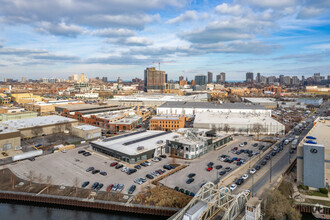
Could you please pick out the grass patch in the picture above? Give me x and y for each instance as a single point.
(321, 202)
(316, 193)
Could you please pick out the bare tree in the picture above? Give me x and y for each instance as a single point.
(48, 182)
(76, 184)
(40, 178)
(257, 128)
(31, 177)
(226, 128)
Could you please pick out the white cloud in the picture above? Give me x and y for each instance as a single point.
(131, 41)
(270, 3)
(60, 29)
(225, 8)
(187, 16)
(309, 12)
(110, 32)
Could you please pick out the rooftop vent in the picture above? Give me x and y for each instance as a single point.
(160, 142)
(139, 148)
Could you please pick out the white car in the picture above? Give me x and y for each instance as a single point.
(124, 169)
(233, 187)
(155, 159)
(241, 144)
(253, 171)
(147, 163)
(245, 176)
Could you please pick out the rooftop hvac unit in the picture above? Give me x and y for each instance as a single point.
(160, 142)
(176, 136)
(140, 148)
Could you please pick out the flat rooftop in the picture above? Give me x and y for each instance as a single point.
(37, 121)
(127, 120)
(161, 97)
(82, 107)
(233, 118)
(166, 117)
(237, 105)
(260, 100)
(149, 140)
(321, 131)
(5, 129)
(87, 127)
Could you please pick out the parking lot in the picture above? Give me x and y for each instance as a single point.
(70, 168)
(199, 165)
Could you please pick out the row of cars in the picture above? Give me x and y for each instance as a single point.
(83, 152)
(227, 159)
(95, 171)
(187, 192)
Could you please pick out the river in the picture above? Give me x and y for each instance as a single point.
(10, 211)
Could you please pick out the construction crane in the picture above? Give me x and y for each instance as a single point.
(162, 62)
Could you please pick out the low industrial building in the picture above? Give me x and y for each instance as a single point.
(125, 124)
(316, 102)
(269, 103)
(292, 105)
(134, 147)
(250, 123)
(313, 160)
(87, 132)
(193, 143)
(18, 115)
(192, 108)
(44, 125)
(156, 99)
(167, 122)
(10, 139)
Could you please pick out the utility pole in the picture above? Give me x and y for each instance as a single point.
(270, 171)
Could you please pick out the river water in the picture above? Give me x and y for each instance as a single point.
(10, 211)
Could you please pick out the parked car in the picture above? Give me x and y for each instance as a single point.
(95, 185)
(81, 152)
(245, 176)
(223, 172)
(155, 159)
(99, 187)
(118, 166)
(163, 156)
(253, 170)
(228, 169)
(190, 180)
(209, 168)
(233, 187)
(131, 189)
(137, 167)
(210, 164)
(86, 183)
(257, 167)
(109, 188)
(95, 171)
(113, 164)
(86, 154)
(273, 153)
(89, 169)
(241, 144)
(103, 173)
(120, 187)
(218, 167)
(191, 175)
(149, 176)
(239, 181)
(264, 162)
(267, 157)
(147, 163)
(255, 145)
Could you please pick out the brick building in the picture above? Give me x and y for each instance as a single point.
(167, 122)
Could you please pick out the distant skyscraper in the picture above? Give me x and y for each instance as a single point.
(258, 78)
(249, 77)
(221, 78)
(154, 79)
(200, 80)
(295, 80)
(281, 78)
(271, 79)
(209, 77)
(287, 80)
(105, 79)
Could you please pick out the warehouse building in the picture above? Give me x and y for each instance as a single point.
(246, 122)
(269, 103)
(167, 122)
(192, 108)
(87, 132)
(10, 139)
(134, 147)
(313, 158)
(44, 125)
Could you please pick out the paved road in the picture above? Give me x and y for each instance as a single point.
(276, 165)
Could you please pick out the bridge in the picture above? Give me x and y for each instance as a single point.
(219, 201)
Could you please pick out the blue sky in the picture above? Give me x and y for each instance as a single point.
(58, 38)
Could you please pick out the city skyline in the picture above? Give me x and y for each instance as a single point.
(114, 39)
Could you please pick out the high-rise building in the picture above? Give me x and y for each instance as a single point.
(258, 78)
(281, 79)
(249, 77)
(23, 79)
(287, 80)
(271, 79)
(295, 80)
(209, 77)
(105, 79)
(200, 80)
(263, 79)
(136, 80)
(154, 79)
(221, 78)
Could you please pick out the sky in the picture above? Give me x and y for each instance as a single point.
(120, 38)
